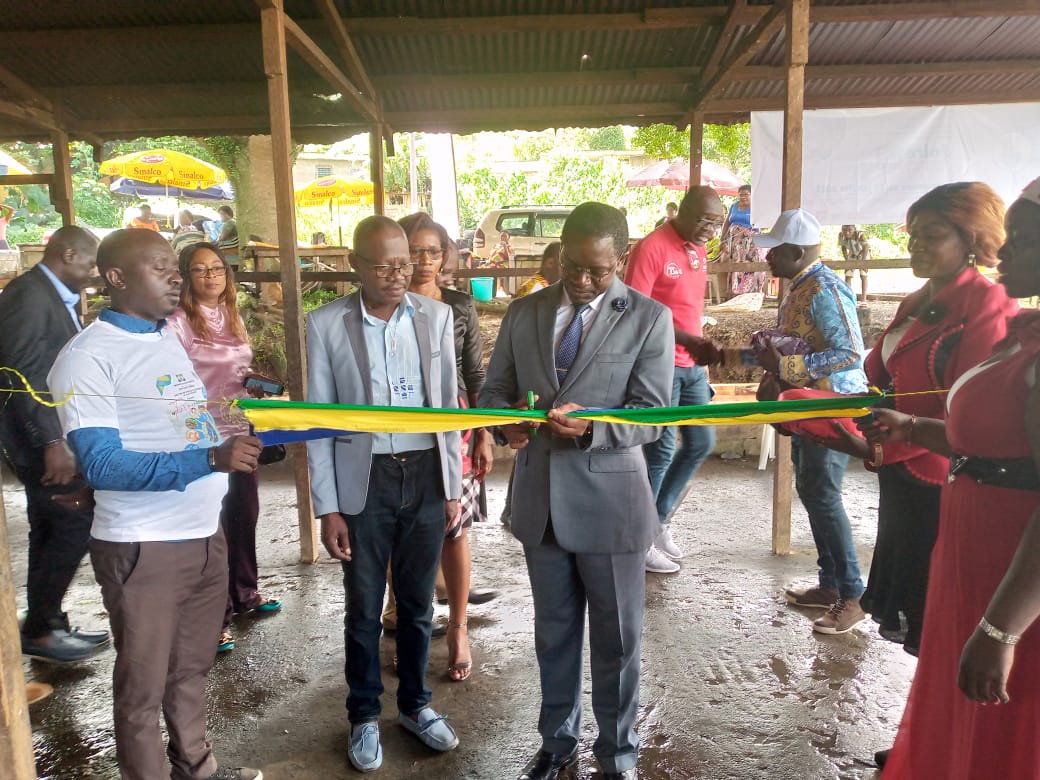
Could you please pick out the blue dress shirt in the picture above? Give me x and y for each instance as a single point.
(395, 373)
(68, 297)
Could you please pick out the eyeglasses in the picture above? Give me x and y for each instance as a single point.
(385, 271)
(432, 252)
(202, 271)
(710, 222)
(595, 274)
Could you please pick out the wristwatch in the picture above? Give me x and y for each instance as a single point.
(211, 458)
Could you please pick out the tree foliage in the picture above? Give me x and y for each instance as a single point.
(395, 169)
(728, 145)
(608, 139)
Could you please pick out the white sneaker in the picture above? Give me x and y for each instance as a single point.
(658, 563)
(664, 543)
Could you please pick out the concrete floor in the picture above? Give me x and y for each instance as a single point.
(734, 685)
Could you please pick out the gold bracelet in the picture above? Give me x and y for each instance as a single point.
(995, 633)
(878, 456)
(910, 430)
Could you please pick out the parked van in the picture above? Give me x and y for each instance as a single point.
(531, 229)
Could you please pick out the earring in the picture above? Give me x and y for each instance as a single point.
(971, 260)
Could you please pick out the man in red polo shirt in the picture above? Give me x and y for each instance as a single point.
(670, 266)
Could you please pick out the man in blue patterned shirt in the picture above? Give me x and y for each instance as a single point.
(820, 309)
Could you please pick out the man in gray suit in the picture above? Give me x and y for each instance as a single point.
(385, 498)
(581, 503)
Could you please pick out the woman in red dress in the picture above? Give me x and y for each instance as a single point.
(939, 332)
(974, 707)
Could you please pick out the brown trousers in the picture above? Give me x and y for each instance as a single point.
(166, 604)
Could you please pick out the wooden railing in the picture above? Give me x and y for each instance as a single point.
(522, 271)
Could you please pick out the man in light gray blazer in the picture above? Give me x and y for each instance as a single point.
(385, 498)
(581, 503)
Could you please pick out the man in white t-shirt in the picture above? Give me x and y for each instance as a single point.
(138, 424)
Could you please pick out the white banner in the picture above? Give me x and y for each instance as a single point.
(863, 166)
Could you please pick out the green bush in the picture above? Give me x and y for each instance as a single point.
(312, 299)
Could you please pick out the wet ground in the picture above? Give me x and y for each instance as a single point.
(734, 685)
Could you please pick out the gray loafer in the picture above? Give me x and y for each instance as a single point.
(432, 729)
(366, 751)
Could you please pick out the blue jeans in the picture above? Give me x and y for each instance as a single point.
(671, 468)
(818, 474)
(402, 524)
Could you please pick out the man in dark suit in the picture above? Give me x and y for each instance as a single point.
(38, 314)
(581, 503)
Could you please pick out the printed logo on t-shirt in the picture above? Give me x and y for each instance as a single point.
(200, 427)
(186, 409)
(673, 270)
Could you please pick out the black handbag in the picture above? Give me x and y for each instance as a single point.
(272, 453)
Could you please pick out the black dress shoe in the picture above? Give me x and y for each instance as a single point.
(547, 766)
(96, 638)
(58, 647)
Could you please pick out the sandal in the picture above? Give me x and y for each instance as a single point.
(267, 606)
(226, 642)
(460, 670)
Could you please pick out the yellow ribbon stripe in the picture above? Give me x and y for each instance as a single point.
(293, 416)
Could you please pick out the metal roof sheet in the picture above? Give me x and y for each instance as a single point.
(119, 67)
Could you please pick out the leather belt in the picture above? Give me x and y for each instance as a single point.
(403, 457)
(1014, 473)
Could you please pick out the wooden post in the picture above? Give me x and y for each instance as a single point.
(272, 24)
(375, 146)
(696, 147)
(797, 45)
(61, 191)
(16, 746)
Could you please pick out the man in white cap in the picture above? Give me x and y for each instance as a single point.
(820, 309)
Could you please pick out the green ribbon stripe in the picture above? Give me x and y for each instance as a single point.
(652, 416)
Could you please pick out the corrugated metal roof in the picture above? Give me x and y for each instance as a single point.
(120, 67)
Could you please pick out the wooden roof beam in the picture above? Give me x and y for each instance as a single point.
(648, 19)
(938, 9)
(889, 70)
(20, 89)
(732, 106)
(725, 38)
(750, 45)
(401, 83)
(173, 125)
(37, 108)
(355, 68)
(37, 117)
(428, 82)
(671, 18)
(568, 78)
(313, 55)
(556, 116)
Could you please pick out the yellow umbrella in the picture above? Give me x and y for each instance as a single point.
(335, 190)
(165, 167)
(10, 166)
